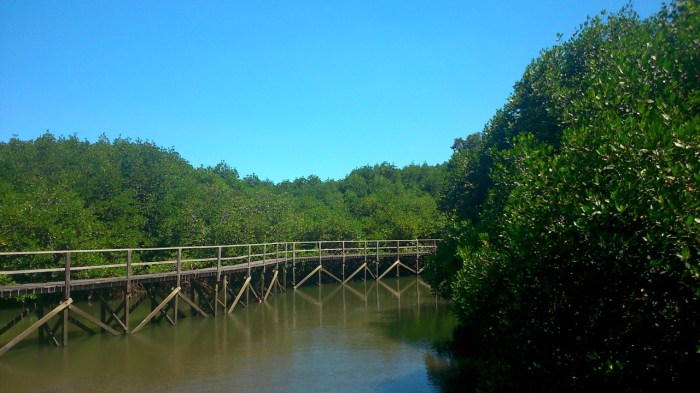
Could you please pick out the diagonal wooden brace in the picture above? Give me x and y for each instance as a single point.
(359, 269)
(240, 293)
(156, 310)
(332, 275)
(93, 320)
(191, 303)
(272, 284)
(36, 325)
(319, 267)
(393, 265)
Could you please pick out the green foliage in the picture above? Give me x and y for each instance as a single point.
(63, 193)
(578, 263)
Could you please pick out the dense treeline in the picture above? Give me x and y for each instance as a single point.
(573, 255)
(64, 193)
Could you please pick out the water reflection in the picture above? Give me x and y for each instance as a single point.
(365, 336)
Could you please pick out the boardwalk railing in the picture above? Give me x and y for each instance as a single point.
(88, 269)
(208, 271)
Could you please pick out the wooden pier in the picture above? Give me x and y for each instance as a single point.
(209, 280)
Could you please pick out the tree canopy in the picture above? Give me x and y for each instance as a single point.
(66, 193)
(573, 253)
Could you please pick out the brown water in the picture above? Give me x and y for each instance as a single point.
(362, 337)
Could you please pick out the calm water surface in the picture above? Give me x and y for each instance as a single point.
(362, 337)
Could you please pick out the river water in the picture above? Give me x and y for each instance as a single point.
(361, 337)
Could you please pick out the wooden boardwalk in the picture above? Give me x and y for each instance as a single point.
(221, 276)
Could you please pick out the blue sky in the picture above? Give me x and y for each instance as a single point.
(280, 89)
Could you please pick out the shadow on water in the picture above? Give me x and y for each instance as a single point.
(421, 319)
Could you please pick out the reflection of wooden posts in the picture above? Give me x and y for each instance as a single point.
(66, 297)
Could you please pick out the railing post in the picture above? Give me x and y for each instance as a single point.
(320, 263)
(343, 261)
(286, 258)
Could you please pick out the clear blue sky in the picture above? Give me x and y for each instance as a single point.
(280, 89)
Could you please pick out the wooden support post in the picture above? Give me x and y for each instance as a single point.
(246, 284)
(156, 310)
(343, 271)
(36, 325)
